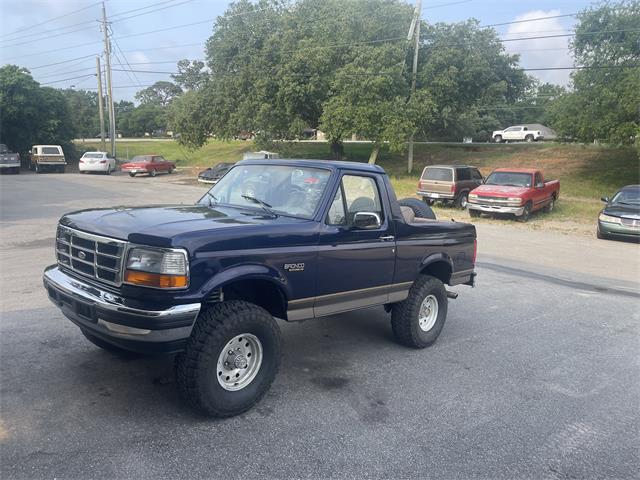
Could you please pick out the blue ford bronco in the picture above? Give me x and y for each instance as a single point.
(285, 239)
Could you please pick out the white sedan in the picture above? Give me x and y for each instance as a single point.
(97, 162)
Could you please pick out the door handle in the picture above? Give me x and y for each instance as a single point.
(387, 238)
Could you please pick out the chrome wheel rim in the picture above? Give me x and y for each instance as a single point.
(428, 313)
(239, 362)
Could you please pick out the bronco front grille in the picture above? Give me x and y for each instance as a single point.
(90, 255)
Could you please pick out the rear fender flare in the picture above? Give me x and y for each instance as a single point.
(436, 258)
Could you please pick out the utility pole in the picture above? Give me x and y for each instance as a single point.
(100, 106)
(414, 30)
(111, 111)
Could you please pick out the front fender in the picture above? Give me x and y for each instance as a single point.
(247, 272)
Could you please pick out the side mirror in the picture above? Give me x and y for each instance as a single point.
(605, 199)
(366, 221)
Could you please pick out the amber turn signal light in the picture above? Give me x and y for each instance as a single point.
(157, 280)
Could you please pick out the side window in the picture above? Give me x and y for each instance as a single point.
(538, 179)
(463, 174)
(361, 195)
(476, 175)
(336, 214)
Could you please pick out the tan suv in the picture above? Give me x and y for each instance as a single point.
(448, 184)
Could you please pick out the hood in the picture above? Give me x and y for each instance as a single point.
(158, 225)
(500, 191)
(622, 210)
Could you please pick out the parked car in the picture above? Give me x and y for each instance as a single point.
(517, 133)
(448, 183)
(516, 191)
(97, 162)
(620, 218)
(150, 164)
(213, 174)
(262, 154)
(47, 158)
(9, 161)
(206, 281)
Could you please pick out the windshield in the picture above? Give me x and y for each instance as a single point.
(93, 155)
(629, 197)
(439, 174)
(509, 179)
(283, 190)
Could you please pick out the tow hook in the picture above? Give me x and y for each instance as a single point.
(452, 295)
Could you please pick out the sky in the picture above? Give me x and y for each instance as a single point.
(38, 33)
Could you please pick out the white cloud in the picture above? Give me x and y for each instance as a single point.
(137, 57)
(542, 52)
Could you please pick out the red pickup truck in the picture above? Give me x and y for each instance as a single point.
(516, 191)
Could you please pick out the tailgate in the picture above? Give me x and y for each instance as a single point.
(50, 159)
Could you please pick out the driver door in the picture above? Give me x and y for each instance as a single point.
(355, 265)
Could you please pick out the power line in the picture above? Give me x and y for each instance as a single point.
(66, 72)
(529, 20)
(71, 47)
(61, 62)
(70, 78)
(141, 8)
(52, 19)
(137, 80)
(47, 37)
(440, 5)
(151, 11)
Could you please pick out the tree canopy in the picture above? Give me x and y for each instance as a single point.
(31, 114)
(343, 67)
(604, 101)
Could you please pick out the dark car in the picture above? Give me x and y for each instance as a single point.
(206, 281)
(620, 218)
(213, 174)
(448, 184)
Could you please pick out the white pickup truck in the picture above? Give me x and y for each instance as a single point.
(517, 133)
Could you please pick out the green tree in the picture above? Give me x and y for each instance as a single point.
(160, 93)
(85, 117)
(605, 97)
(146, 118)
(31, 114)
(191, 74)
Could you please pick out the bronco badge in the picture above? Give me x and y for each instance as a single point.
(294, 267)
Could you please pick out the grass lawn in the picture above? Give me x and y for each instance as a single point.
(586, 172)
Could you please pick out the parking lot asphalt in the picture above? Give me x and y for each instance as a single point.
(536, 373)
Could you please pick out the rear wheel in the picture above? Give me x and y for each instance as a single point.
(551, 205)
(108, 172)
(529, 138)
(131, 174)
(420, 209)
(38, 168)
(497, 138)
(230, 359)
(462, 200)
(417, 321)
(170, 170)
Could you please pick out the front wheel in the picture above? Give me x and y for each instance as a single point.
(417, 321)
(230, 360)
(152, 173)
(526, 213)
(131, 174)
(497, 138)
(529, 138)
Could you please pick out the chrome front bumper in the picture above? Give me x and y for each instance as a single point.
(106, 315)
(10, 165)
(517, 211)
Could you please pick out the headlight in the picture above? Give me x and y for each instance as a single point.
(156, 267)
(516, 200)
(473, 196)
(609, 218)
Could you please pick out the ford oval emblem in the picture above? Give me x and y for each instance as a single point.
(82, 255)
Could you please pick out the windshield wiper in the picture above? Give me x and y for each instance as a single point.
(212, 196)
(265, 206)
